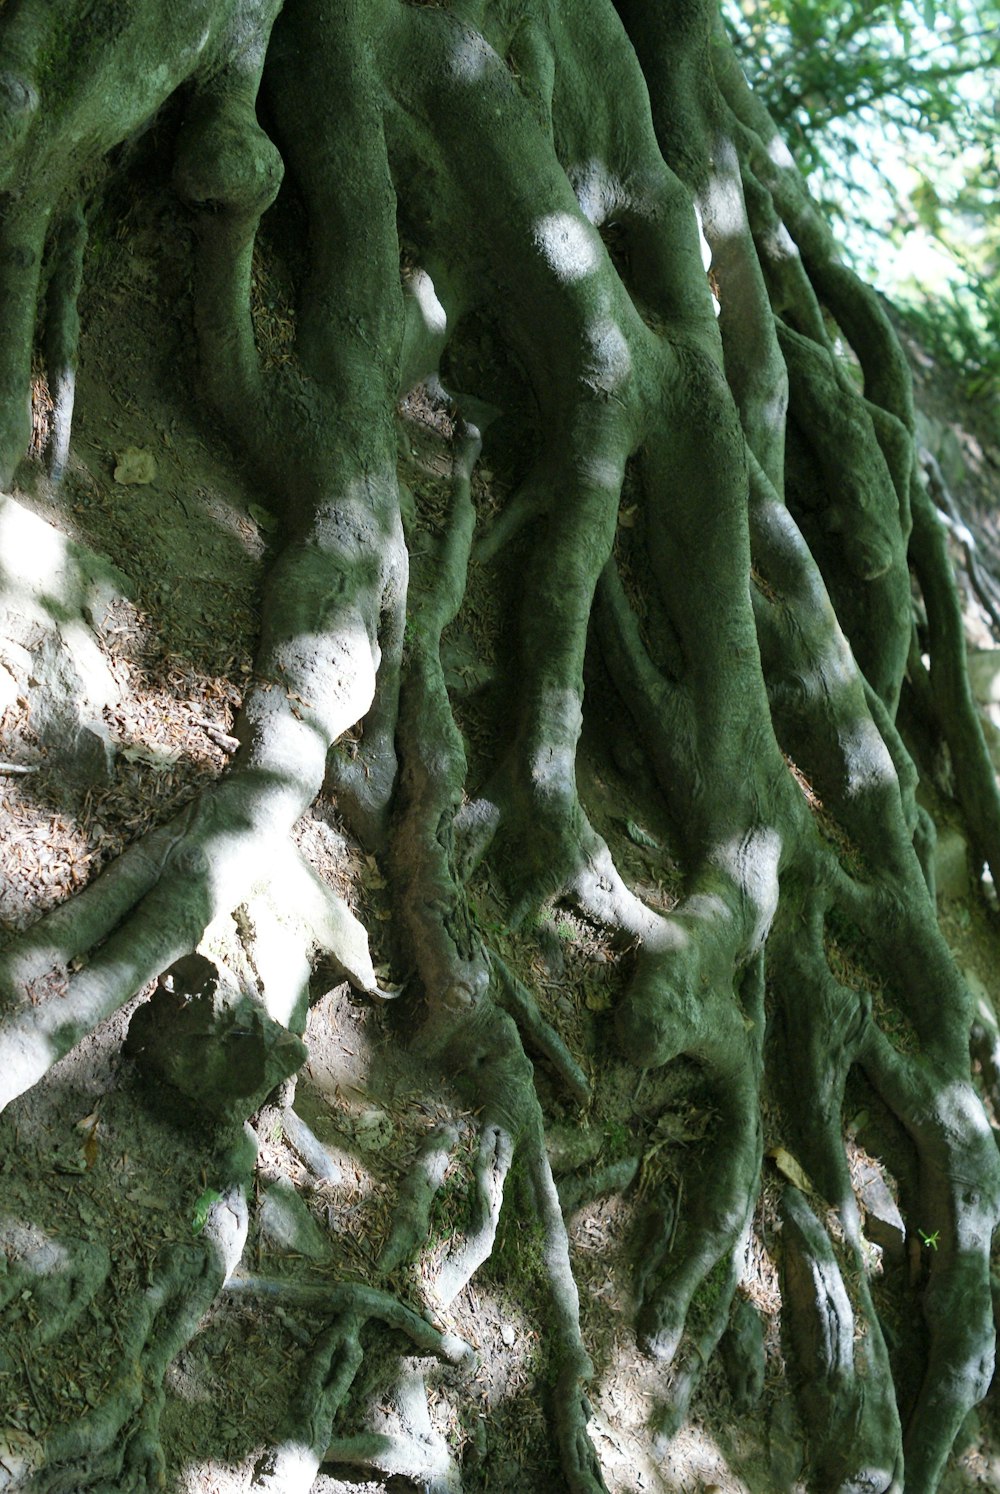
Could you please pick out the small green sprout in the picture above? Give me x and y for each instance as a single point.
(931, 1241)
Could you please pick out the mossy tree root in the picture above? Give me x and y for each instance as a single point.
(304, 1443)
(117, 1443)
(751, 610)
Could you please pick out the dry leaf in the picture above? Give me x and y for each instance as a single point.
(134, 467)
(20, 1456)
(790, 1169)
(160, 759)
(90, 1148)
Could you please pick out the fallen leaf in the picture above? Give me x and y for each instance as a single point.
(790, 1169)
(88, 1125)
(144, 1199)
(135, 467)
(262, 517)
(157, 758)
(201, 1209)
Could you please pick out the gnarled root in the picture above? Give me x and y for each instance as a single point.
(735, 518)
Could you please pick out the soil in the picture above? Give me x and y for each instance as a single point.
(90, 1165)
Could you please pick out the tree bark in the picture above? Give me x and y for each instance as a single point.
(713, 526)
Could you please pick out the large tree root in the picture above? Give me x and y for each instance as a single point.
(117, 1444)
(752, 623)
(333, 1363)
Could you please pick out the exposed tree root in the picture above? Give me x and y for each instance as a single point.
(333, 1363)
(117, 1444)
(752, 618)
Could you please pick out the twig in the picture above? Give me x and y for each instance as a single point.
(31, 1384)
(677, 1213)
(18, 769)
(221, 738)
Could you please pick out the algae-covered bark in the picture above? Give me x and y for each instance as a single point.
(718, 513)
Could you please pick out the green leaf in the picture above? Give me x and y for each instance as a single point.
(201, 1208)
(263, 517)
(639, 836)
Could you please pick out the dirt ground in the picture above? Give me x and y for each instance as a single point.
(92, 1171)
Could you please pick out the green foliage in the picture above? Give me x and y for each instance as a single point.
(823, 67)
(486, 922)
(890, 111)
(640, 837)
(962, 326)
(202, 1207)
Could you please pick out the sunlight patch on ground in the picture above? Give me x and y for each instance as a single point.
(691, 1463)
(28, 1247)
(36, 556)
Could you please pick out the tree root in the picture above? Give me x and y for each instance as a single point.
(117, 1443)
(737, 521)
(333, 1362)
(854, 1424)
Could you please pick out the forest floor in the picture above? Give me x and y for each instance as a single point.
(86, 1159)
